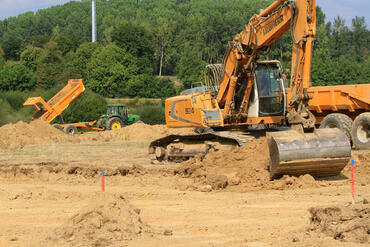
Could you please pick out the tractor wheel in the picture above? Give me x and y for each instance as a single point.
(100, 123)
(114, 123)
(58, 127)
(70, 129)
(338, 120)
(361, 131)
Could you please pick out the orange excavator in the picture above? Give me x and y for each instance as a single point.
(248, 94)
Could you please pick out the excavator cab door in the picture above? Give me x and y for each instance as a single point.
(270, 88)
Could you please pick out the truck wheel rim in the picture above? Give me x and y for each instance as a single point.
(116, 125)
(363, 133)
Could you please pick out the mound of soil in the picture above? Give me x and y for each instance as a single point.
(40, 132)
(245, 167)
(109, 220)
(134, 132)
(361, 166)
(348, 224)
(36, 132)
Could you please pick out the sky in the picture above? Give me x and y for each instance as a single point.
(332, 8)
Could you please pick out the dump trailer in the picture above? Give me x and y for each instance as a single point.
(346, 107)
(48, 111)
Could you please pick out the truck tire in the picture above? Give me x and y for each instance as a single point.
(114, 123)
(361, 131)
(70, 129)
(338, 120)
(58, 127)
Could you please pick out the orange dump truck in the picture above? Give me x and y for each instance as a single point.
(48, 111)
(346, 107)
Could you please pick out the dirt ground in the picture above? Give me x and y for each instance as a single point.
(50, 195)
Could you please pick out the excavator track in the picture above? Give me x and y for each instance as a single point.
(178, 148)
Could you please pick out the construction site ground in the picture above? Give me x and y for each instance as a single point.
(50, 194)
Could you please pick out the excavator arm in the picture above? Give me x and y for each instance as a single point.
(259, 34)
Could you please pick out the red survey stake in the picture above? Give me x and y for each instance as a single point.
(353, 181)
(102, 182)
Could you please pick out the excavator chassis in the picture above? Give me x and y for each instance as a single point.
(178, 148)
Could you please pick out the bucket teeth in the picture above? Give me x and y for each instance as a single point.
(325, 152)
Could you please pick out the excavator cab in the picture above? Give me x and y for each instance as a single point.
(270, 89)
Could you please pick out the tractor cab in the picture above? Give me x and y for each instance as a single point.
(116, 117)
(117, 110)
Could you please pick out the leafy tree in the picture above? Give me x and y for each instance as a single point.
(64, 43)
(31, 56)
(40, 40)
(137, 41)
(148, 86)
(360, 39)
(5, 111)
(16, 76)
(190, 67)
(165, 30)
(2, 59)
(12, 43)
(151, 114)
(50, 69)
(365, 71)
(164, 37)
(78, 61)
(88, 107)
(109, 71)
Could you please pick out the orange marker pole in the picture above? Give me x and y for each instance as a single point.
(102, 182)
(353, 180)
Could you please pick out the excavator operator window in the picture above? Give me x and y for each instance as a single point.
(270, 91)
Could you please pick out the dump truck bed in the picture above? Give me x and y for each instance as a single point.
(47, 111)
(349, 99)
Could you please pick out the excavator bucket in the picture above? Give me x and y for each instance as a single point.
(325, 152)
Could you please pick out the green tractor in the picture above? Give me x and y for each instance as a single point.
(117, 116)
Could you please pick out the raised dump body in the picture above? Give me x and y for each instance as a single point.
(47, 111)
(350, 100)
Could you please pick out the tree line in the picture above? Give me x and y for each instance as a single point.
(141, 39)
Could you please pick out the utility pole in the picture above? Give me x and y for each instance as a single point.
(93, 21)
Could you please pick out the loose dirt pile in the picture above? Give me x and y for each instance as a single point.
(40, 132)
(36, 132)
(135, 132)
(361, 166)
(245, 167)
(348, 224)
(109, 220)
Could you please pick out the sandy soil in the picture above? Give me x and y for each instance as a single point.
(50, 195)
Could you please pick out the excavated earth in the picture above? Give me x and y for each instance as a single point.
(50, 194)
(107, 220)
